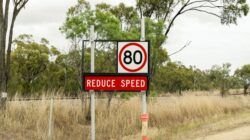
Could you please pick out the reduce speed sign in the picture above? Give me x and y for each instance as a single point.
(133, 57)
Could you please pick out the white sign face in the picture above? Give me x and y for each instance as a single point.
(133, 57)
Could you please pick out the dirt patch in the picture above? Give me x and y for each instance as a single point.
(240, 133)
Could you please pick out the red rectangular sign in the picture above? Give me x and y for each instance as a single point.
(115, 83)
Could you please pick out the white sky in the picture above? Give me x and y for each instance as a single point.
(212, 43)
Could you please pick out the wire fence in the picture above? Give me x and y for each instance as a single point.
(88, 97)
(47, 98)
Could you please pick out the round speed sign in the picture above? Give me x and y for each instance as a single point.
(133, 57)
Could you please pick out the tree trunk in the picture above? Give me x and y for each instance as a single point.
(180, 91)
(110, 96)
(2, 102)
(223, 89)
(2, 55)
(246, 86)
(4, 18)
(1, 43)
(7, 72)
(88, 116)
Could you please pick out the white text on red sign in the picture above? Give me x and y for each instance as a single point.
(116, 83)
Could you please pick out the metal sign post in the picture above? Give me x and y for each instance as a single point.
(144, 116)
(92, 94)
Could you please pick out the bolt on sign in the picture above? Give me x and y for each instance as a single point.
(132, 70)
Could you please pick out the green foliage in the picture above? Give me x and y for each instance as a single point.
(157, 8)
(153, 94)
(227, 10)
(232, 10)
(244, 73)
(116, 23)
(126, 95)
(220, 75)
(70, 71)
(29, 60)
(76, 24)
(173, 77)
(40, 66)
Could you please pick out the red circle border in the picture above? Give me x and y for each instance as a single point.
(144, 52)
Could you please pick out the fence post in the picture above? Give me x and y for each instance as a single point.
(3, 100)
(50, 131)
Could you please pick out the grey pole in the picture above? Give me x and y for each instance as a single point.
(92, 66)
(144, 102)
(144, 116)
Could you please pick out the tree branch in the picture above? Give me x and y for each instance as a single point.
(168, 10)
(207, 6)
(198, 1)
(187, 44)
(141, 14)
(17, 2)
(20, 4)
(194, 2)
(173, 19)
(16, 11)
(212, 2)
(203, 11)
(196, 8)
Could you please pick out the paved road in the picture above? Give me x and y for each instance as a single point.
(240, 133)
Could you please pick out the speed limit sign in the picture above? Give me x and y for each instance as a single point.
(133, 57)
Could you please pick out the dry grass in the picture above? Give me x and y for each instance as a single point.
(28, 120)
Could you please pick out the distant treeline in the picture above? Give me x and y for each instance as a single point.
(39, 67)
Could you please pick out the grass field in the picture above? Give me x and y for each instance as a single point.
(28, 120)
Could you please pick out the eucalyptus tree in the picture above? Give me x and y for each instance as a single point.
(227, 11)
(244, 74)
(167, 12)
(6, 37)
(220, 76)
(29, 60)
(118, 22)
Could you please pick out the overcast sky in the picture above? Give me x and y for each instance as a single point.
(212, 43)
